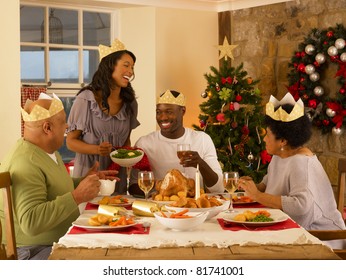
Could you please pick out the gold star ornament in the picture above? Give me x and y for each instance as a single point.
(226, 49)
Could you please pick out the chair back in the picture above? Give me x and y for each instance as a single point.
(10, 250)
(341, 186)
(326, 235)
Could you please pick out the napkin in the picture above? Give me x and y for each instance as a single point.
(135, 229)
(247, 205)
(289, 223)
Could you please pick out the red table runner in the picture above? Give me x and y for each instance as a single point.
(92, 206)
(289, 223)
(136, 229)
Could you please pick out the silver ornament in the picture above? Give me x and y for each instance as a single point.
(250, 157)
(204, 94)
(332, 51)
(330, 112)
(309, 49)
(314, 77)
(340, 43)
(320, 58)
(337, 131)
(309, 69)
(343, 57)
(318, 91)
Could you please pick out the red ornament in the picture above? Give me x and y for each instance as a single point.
(316, 64)
(238, 98)
(325, 43)
(228, 80)
(305, 96)
(330, 34)
(245, 130)
(231, 106)
(301, 67)
(325, 122)
(297, 54)
(312, 103)
(302, 54)
(302, 79)
(220, 117)
(342, 91)
(202, 123)
(234, 124)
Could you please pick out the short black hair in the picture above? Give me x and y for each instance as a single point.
(296, 133)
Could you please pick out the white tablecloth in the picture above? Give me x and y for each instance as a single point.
(209, 233)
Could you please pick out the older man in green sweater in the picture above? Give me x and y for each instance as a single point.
(45, 197)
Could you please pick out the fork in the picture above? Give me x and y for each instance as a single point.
(146, 225)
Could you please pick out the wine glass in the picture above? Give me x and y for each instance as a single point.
(146, 182)
(181, 152)
(230, 183)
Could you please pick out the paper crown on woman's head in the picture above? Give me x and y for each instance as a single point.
(280, 114)
(38, 112)
(168, 98)
(116, 46)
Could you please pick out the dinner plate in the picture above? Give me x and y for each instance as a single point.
(82, 222)
(98, 198)
(277, 216)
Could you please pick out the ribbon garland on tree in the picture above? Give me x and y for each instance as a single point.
(320, 48)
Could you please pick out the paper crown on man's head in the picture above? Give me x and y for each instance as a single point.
(38, 112)
(168, 98)
(116, 46)
(280, 114)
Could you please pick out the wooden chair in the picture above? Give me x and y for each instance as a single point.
(325, 235)
(10, 251)
(341, 186)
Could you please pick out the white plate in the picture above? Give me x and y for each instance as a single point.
(82, 222)
(98, 198)
(277, 216)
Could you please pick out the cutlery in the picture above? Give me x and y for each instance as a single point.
(146, 225)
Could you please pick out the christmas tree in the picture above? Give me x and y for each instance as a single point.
(233, 117)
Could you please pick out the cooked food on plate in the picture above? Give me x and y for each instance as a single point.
(113, 221)
(250, 216)
(113, 200)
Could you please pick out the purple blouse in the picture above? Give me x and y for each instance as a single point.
(96, 127)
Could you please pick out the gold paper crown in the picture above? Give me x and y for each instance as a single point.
(280, 114)
(169, 98)
(39, 113)
(116, 46)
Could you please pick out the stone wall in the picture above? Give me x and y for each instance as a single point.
(268, 36)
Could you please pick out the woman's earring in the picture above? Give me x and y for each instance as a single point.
(282, 149)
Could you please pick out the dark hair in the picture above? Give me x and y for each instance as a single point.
(102, 79)
(296, 132)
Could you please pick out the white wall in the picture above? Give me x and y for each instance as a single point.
(10, 77)
(174, 48)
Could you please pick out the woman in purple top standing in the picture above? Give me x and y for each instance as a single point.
(104, 112)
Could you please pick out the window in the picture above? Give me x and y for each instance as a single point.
(59, 49)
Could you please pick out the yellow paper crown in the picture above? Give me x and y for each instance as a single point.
(169, 98)
(105, 50)
(39, 113)
(280, 114)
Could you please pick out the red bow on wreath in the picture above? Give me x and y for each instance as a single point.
(143, 164)
(342, 69)
(226, 80)
(340, 113)
(294, 90)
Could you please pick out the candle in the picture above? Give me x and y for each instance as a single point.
(197, 184)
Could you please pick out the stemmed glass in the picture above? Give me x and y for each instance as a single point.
(146, 182)
(181, 152)
(230, 183)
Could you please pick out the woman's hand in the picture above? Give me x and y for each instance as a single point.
(104, 149)
(249, 186)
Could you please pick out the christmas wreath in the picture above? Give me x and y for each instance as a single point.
(320, 48)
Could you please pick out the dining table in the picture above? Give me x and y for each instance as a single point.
(215, 239)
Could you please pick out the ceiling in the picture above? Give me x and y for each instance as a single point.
(205, 5)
